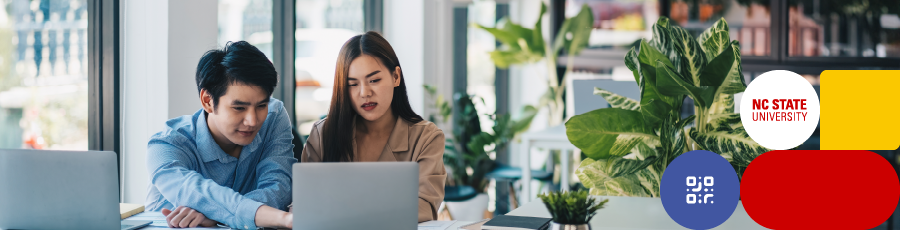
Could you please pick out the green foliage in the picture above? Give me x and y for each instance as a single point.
(521, 45)
(630, 145)
(572, 207)
(467, 154)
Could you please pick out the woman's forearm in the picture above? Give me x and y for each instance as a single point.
(271, 217)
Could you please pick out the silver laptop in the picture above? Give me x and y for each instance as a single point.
(42, 189)
(359, 195)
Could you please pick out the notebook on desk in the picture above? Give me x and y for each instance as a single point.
(506, 222)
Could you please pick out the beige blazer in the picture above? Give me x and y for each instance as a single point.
(422, 142)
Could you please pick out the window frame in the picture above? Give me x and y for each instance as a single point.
(104, 114)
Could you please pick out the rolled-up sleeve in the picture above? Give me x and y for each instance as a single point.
(274, 184)
(431, 175)
(169, 168)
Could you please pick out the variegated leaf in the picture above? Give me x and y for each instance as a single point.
(646, 149)
(692, 57)
(734, 142)
(603, 133)
(664, 41)
(650, 179)
(720, 25)
(670, 83)
(597, 175)
(647, 60)
(734, 81)
(715, 44)
(633, 64)
(724, 119)
(626, 186)
(723, 104)
(617, 101)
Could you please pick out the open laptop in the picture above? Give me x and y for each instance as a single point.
(359, 195)
(42, 189)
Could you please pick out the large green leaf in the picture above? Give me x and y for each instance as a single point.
(672, 137)
(520, 45)
(727, 141)
(647, 58)
(607, 132)
(693, 58)
(616, 177)
(734, 82)
(720, 25)
(633, 64)
(717, 70)
(715, 44)
(537, 34)
(664, 41)
(670, 83)
(617, 101)
(577, 35)
(650, 178)
(654, 111)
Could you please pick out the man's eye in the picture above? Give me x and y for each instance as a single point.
(262, 106)
(239, 108)
(376, 80)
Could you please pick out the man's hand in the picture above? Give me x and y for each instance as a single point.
(184, 217)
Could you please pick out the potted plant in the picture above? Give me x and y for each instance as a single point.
(629, 145)
(467, 155)
(571, 210)
(521, 45)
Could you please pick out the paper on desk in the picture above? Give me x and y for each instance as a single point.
(159, 221)
(435, 225)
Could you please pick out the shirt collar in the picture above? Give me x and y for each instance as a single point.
(209, 149)
(399, 139)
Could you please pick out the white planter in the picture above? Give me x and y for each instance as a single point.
(470, 210)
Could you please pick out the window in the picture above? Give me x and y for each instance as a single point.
(844, 28)
(44, 74)
(322, 28)
(749, 21)
(247, 20)
(481, 70)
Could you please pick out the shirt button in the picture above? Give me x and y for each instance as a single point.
(245, 227)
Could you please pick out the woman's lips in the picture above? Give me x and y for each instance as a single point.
(369, 106)
(245, 133)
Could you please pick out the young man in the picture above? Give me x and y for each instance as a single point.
(231, 161)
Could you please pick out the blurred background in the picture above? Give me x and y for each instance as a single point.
(107, 74)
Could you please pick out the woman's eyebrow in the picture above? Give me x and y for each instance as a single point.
(367, 75)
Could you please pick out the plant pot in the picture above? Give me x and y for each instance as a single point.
(469, 210)
(558, 226)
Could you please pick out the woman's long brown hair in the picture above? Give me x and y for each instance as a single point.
(337, 133)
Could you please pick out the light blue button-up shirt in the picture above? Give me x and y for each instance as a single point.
(188, 168)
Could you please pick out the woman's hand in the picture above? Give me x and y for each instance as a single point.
(271, 217)
(184, 217)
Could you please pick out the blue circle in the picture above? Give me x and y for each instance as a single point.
(706, 168)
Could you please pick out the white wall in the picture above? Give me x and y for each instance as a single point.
(158, 75)
(193, 29)
(404, 28)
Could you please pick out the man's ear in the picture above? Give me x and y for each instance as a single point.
(397, 76)
(206, 101)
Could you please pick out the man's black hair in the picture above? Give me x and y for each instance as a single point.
(238, 62)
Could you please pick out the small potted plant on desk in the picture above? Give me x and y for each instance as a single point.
(571, 210)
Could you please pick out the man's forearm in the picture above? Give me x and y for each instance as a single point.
(271, 217)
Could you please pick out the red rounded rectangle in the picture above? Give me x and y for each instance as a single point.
(820, 189)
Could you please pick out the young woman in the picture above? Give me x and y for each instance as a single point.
(370, 119)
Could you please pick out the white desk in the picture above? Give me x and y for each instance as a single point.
(638, 213)
(551, 138)
(624, 213)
